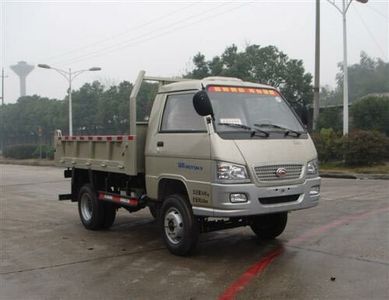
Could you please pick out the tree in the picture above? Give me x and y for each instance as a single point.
(367, 77)
(371, 113)
(259, 64)
(96, 110)
(113, 109)
(145, 100)
(23, 119)
(330, 118)
(85, 108)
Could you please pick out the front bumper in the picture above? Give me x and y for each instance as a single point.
(222, 206)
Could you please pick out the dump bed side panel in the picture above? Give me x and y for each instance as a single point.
(116, 153)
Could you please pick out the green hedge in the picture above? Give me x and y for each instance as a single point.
(371, 113)
(328, 145)
(47, 152)
(362, 147)
(19, 151)
(26, 151)
(358, 148)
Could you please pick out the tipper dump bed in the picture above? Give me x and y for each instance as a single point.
(111, 153)
(122, 154)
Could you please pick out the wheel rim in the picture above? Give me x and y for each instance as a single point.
(174, 226)
(86, 207)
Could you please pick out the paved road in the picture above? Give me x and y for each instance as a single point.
(47, 254)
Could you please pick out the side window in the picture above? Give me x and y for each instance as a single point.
(180, 116)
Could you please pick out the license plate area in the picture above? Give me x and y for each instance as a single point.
(277, 195)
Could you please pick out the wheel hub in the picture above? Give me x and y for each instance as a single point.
(86, 207)
(174, 226)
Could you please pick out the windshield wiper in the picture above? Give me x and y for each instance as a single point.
(287, 130)
(253, 131)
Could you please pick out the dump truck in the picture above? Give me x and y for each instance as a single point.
(215, 153)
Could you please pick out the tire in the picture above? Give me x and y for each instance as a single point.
(179, 227)
(155, 210)
(109, 215)
(270, 226)
(94, 214)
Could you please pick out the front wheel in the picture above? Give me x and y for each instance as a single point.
(154, 209)
(179, 226)
(269, 226)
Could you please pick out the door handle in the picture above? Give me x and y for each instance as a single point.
(160, 144)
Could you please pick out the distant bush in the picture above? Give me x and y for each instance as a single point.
(364, 148)
(371, 113)
(328, 144)
(330, 118)
(24, 151)
(358, 148)
(47, 152)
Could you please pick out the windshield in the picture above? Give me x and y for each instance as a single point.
(254, 108)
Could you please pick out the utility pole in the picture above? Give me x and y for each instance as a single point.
(343, 11)
(2, 86)
(316, 88)
(70, 103)
(2, 109)
(345, 70)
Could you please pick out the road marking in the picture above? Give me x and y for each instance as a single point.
(250, 273)
(257, 268)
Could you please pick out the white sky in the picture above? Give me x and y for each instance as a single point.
(161, 37)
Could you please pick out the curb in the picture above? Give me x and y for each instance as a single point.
(28, 162)
(355, 176)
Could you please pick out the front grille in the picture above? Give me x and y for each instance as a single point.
(280, 199)
(268, 173)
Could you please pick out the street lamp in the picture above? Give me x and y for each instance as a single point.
(69, 76)
(316, 87)
(2, 110)
(343, 11)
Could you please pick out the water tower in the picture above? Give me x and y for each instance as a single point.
(22, 69)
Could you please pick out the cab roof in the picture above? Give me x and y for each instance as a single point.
(197, 84)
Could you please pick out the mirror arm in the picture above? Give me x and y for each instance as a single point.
(210, 119)
(211, 128)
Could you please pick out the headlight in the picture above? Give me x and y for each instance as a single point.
(231, 173)
(313, 168)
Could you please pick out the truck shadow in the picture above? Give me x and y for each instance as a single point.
(238, 243)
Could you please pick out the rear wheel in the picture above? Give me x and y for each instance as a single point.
(269, 226)
(178, 225)
(109, 214)
(94, 214)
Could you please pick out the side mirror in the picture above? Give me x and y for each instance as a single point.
(202, 104)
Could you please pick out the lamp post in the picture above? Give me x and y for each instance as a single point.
(316, 88)
(2, 109)
(69, 76)
(343, 11)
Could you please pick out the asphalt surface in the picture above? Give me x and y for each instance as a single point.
(338, 250)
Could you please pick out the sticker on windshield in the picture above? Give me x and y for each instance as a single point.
(278, 99)
(231, 121)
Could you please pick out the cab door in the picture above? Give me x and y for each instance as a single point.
(180, 149)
